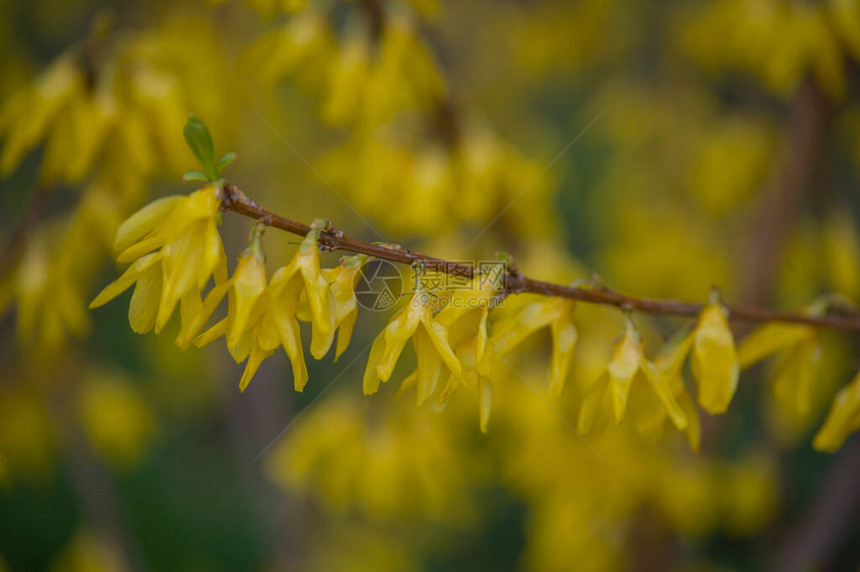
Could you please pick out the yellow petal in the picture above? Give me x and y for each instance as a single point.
(843, 419)
(407, 384)
(144, 302)
(344, 333)
(399, 329)
(485, 402)
(439, 337)
(191, 327)
(249, 283)
(144, 221)
(429, 365)
(139, 249)
(124, 282)
(672, 354)
(769, 339)
(691, 414)
(254, 360)
(626, 360)
(662, 388)
(794, 378)
(597, 407)
(563, 343)
(512, 330)
(212, 334)
(371, 380)
(714, 362)
(290, 335)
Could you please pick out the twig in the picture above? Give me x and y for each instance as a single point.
(516, 283)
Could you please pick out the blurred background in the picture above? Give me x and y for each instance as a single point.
(665, 145)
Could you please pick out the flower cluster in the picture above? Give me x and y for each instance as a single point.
(176, 251)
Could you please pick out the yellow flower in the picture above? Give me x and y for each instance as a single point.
(31, 113)
(801, 355)
(769, 339)
(116, 418)
(617, 392)
(302, 276)
(184, 232)
(512, 329)
(668, 365)
(563, 341)
(341, 280)
(714, 360)
(465, 318)
(843, 419)
(49, 300)
(256, 324)
(429, 338)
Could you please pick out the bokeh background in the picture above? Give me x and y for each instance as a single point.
(665, 145)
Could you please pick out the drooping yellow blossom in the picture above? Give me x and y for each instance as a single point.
(770, 339)
(302, 277)
(383, 460)
(631, 384)
(29, 114)
(843, 419)
(464, 316)
(801, 355)
(714, 359)
(183, 232)
(563, 341)
(668, 366)
(256, 323)
(55, 268)
(341, 280)
(510, 331)
(429, 338)
(49, 300)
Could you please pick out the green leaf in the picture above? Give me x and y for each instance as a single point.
(226, 159)
(195, 176)
(200, 141)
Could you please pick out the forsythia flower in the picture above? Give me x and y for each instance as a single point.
(341, 281)
(464, 316)
(843, 419)
(714, 359)
(557, 313)
(302, 277)
(429, 338)
(801, 355)
(668, 364)
(631, 380)
(261, 317)
(184, 230)
(255, 324)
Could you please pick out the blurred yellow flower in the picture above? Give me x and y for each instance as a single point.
(843, 419)
(629, 377)
(429, 337)
(714, 359)
(302, 277)
(116, 418)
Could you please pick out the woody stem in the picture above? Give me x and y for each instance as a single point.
(235, 200)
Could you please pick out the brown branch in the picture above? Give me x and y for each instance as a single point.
(516, 283)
